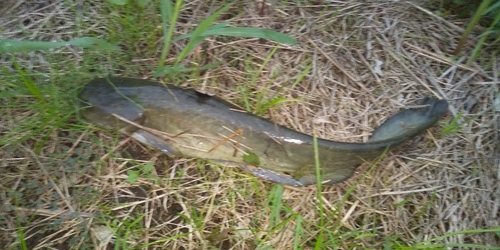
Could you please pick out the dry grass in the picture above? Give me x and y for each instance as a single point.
(64, 185)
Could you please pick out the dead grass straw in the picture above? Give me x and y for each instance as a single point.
(369, 60)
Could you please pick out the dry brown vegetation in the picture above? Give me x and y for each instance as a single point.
(63, 184)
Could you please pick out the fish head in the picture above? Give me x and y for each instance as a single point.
(108, 107)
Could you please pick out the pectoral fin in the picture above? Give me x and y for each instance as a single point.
(307, 175)
(265, 174)
(154, 141)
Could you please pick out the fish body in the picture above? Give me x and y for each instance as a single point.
(197, 125)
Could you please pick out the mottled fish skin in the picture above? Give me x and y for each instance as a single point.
(202, 126)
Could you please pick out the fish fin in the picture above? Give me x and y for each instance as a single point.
(154, 141)
(410, 122)
(272, 176)
(307, 175)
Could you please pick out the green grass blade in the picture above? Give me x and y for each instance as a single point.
(477, 48)
(196, 37)
(319, 194)
(254, 33)
(167, 12)
(298, 232)
(30, 85)
(163, 240)
(273, 98)
(261, 95)
(274, 102)
(118, 2)
(213, 27)
(475, 19)
(454, 125)
(169, 17)
(249, 33)
(456, 246)
(471, 231)
(276, 204)
(8, 45)
(21, 234)
(142, 3)
(493, 7)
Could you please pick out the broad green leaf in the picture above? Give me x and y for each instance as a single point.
(132, 176)
(251, 158)
(148, 167)
(8, 45)
(147, 170)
